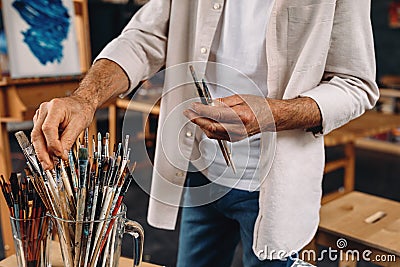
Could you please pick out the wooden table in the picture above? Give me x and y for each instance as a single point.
(366, 222)
(124, 262)
(56, 259)
(369, 124)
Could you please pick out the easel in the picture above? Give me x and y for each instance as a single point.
(19, 98)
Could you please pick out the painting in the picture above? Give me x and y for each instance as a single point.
(41, 38)
(3, 51)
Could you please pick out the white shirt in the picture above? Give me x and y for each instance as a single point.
(239, 49)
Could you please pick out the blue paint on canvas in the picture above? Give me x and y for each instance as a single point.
(49, 23)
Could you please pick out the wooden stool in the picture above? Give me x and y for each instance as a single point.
(364, 223)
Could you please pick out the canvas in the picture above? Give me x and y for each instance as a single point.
(41, 38)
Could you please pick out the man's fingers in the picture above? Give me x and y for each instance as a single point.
(231, 101)
(35, 117)
(68, 138)
(50, 129)
(218, 113)
(37, 138)
(199, 120)
(39, 143)
(216, 130)
(56, 126)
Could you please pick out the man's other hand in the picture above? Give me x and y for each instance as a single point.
(233, 118)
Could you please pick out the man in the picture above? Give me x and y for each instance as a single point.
(313, 63)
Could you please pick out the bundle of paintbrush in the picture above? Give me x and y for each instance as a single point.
(22, 199)
(28, 218)
(81, 191)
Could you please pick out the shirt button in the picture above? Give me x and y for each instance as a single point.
(217, 6)
(189, 134)
(179, 174)
(203, 50)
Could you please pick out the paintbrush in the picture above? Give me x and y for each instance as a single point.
(29, 152)
(115, 211)
(206, 99)
(74, 176)
(62, 199)
(81, 200)
(106, 146)
(86, 138)
(6, 194)
(70, 198)
(36, 167)
(223, 144)
(88, 212)
(96, 161)
(15, 194)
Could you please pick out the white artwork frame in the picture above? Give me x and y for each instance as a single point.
(34, 48)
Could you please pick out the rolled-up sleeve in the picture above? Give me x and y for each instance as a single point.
(348, 87)
(140, 49)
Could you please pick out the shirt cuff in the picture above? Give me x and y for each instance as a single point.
(334, 106)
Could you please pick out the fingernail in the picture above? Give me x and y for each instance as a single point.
(65, 154)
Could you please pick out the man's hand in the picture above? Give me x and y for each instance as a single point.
(57, 124)
(239, 116)
(233, 118)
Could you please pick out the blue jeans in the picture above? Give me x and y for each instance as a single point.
(210, 233)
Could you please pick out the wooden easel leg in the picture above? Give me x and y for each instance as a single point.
(346, 261)
(349, 171)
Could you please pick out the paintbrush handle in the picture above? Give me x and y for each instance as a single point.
(69, 192)
(80, 213)
(100, 230)
(111, 224)
(92, 218)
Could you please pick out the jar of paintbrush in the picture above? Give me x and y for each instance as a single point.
(83, 196)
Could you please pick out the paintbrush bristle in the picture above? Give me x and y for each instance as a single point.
(22, 140)
(83, 153)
